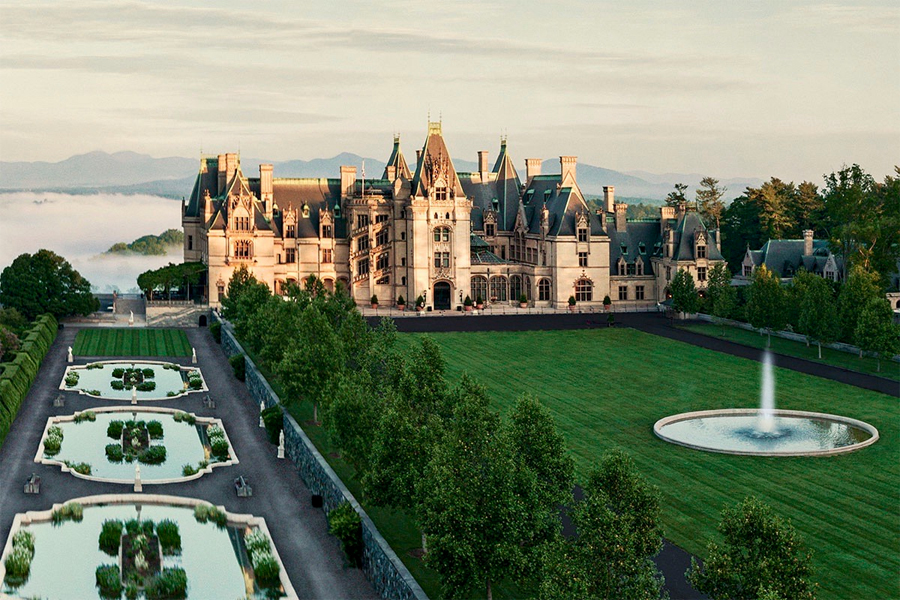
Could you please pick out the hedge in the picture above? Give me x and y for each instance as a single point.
(21, 371)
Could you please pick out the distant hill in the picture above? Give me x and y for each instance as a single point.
(150, 245)
(173, 177)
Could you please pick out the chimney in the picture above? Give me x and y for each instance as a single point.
(418, 159)
(222, 182)
(680, 209)
(348, 181)
(621, 213)
(231, 164)
(665, 213)
(609, 198)
(807, 242)
(483, 164)
(532, 169)
(567, 167)
(266, 192)
(391, 172)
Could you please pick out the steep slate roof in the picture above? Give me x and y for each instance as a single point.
(684, 238)
(434, 155)
(205, 181)
(636, 233)
(784, 257)
(401, 169)
(316, 193)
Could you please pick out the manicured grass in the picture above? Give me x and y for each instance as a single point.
(131, 342)
(607, 387)
(836, 358)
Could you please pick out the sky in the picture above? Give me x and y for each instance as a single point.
(763, 88)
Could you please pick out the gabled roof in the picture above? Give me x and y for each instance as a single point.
(401, 169)
(435, 163)
(637, 236)
(784, 257)
(688, 227)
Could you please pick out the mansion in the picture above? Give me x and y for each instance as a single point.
(433, 232)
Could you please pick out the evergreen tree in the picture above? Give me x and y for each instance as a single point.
(807, 206)
(709, 200)
(45, 282)
(849, 203)
(762, 557)
(766, 306)
(875, 330)
(684, 295)
(818, 313)
(677, 197)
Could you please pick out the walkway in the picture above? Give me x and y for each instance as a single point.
(312, 558)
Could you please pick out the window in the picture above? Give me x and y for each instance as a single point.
(479, 288)
(442, 234)
(441, 260)
(305, 211)
(701, 251)
(642, 248)
(582, 234)
(362, 243)
(631, 269)
(639, 267)
(402, 261)
(701, 273)
(623, 292)
(544, 289)
(621, 267)
(362, 221)
(326, 255)
(515, 287)
(582, 259)
(499, 289)
(290, 231)
(190, 242)
(639, 292)
(362, 267)
(748, 271)
(440, 193)
(381, 218)
(220, 289)
(403, 236)
(242, 249)
(584, 290)
(383, 261)
(290, 255)
(490, 230)
(668, 273)
(326, 231)
(242, 223)
(381, 238)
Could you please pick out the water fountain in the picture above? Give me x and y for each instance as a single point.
(766, 431)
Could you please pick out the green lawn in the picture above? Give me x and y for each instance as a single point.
(846, 360)
(131, 342)
(607, 387)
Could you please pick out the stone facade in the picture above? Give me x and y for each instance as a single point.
(383, 568)
(440, 234)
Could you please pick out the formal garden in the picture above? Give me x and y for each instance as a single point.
(131, 342)
(124, 380)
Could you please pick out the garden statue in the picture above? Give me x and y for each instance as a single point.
(130, 318)
(137, 478)
(193, 356)
(262, 407)
(281, 444)
(134, 394)
(70, 358)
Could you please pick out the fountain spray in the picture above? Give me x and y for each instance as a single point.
(766, 421)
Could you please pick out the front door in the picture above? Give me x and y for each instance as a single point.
(442, 296)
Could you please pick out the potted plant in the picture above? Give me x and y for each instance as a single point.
(401, 302)
(374, 301)
(479, 302)
(571, 303)
(468, 304)
(420, 303)
(610, 319)
(606, 302)
(523, 301)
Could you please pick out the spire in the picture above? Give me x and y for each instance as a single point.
(396, 163)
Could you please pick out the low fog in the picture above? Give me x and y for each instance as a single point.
(81, 228)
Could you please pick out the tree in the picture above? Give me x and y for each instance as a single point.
(774, 200)
(350, 416)
(848, 197)
(677, 197)
(818, 313)
(766, 306)
(9, 343)
(709, 200)
(45, 282)
(720, 293)
(740, 229)
(862, 286)
(762, 557)
(684, 295)
(240, 279)
(876, 332)
(618, 533)
(807, 206)
(474, 503)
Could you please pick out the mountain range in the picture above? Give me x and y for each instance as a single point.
(173, 177)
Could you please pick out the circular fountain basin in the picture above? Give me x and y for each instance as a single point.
(790, 433)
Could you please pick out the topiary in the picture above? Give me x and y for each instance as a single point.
(111, 536)
(169, 536)
(114, 429)
(171, 582)
(155, 429)
(107, 577)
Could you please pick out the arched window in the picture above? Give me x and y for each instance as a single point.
(479, 288)
(584, 290)
(442, 234)
(243, 249)
(499, 289)
(544, 289)
(515, 287)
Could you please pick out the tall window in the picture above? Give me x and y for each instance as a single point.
(362, 243)
(440, 192)
(242, 249)
(362, 221)
(621, 267)
(490, 230)
(290, 255)
(701, 273)
(190, 242)
(623, 292)
(381, 238)
(544, 289)
(630, 269)
(383, 261)
(639, 292)
(220, 289)
(701, 251)
(381, 218)
(582, 259)
(290, 231)
(362, 267)
(582, 234)
(499, 289)
(442, 234)
(479, 288)
(668, 273)
(242, 223)
(748, 271)
(584, 290)
(441, 260)
(326, 231)
(327, 256)
(515, 287)
(639, 267)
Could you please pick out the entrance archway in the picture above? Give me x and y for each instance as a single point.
(202, 320)
(442, 295)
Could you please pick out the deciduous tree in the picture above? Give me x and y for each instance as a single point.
(684, 294)
(875, 330)
(45, 282)
(766, 306)
(818, 313)
(862, 285)
(721, 295)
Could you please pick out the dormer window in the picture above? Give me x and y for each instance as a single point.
(547, 195)
(490, 230)
(528, 196)
(290, 231)
(326, 231)
(242, 223)
(305, 211)
(642, 248)
(623, 248)
(701, 251)
(582, 234)
(440, 193)
(639, 267)
(496, 204)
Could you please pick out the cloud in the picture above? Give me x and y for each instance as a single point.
(865, 19)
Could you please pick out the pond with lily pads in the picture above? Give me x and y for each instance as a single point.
(119, 380)
(109, 443)
(105, 551)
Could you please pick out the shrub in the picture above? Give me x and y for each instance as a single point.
(87, 415)
(72, 379)
(171, 367)
(146, 386)
(107, 577)
(169, 583)
(215, 328)
(169, 537)
(523, 299)
(257, 541)
(117, 385)
(266, 568)
(153, 455)
(273, 419)
(114, 429)
(220, 449)
(467, 301)
(208, 512)
(188, 470)
(71, 511)
(18, 563)
(24, 539)
(420, 301)
(345, 524)
(195, 383)
(183, 416)
(114, 452)
(132, 590)
(83, 468)
(214, 432)
(239, 365)
(148, 373)
(118, 372)
(52, 445)
(401, 300)
(93, 392)
(155, 429)
(132, 527)
(171, 394)
(93, 366)
(111, 536)
(571, 300)
(373, 299)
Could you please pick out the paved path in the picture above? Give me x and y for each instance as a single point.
(313, 559)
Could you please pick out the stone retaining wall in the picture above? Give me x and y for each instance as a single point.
(381, 565)
(176, 315)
